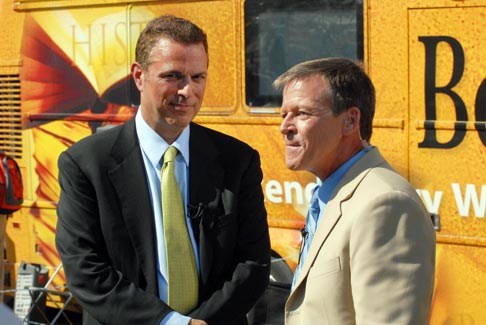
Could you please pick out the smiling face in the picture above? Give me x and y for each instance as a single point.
(172, 87)
(315, 139)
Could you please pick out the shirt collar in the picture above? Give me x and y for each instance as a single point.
(329, 184)
(154, 146)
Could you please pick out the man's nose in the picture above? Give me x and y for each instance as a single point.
(286, 125)
(185, 87)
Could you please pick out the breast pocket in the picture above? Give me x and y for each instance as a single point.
(325, 266)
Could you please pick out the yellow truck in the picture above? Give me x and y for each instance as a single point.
(65, 73)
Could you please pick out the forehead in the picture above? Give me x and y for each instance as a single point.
(309, 90)
(169, 53)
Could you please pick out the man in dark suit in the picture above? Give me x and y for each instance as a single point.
(110, 232)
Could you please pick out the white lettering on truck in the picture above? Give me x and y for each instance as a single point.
(470, 196)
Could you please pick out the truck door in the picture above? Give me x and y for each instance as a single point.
(447, 149)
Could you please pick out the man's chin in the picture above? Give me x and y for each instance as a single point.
(293, 165)
(179, 122)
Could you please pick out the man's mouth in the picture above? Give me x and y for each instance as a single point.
(292, 144)
(181, 107)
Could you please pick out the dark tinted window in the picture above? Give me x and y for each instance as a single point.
(281, 33)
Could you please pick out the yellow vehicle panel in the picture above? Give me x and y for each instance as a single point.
(425, 57)
(427, 61)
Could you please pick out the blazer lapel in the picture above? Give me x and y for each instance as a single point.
(327, 221)
(130, 183)
(205, 183)
(333, 213)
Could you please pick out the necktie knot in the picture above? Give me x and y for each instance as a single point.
(170, 154)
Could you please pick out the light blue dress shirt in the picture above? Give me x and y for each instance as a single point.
(153, 148)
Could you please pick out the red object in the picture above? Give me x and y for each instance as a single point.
(11, 186)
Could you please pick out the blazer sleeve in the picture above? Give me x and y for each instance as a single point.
(392, 257)
(103, 291)
(240, 290)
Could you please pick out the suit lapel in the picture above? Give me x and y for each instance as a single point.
(130, 183)
(205, 183)
(333, 212)
(328, 220)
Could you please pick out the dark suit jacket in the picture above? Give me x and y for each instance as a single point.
(105, 229)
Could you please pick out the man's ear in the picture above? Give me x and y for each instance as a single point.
(137, 75)
(351, 120)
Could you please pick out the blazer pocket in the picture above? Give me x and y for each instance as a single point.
(325, 267)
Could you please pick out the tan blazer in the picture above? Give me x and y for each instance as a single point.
(372, 260)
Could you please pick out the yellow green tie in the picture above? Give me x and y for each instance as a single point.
(181, 264)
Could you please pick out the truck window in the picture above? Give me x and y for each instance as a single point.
(281, 33)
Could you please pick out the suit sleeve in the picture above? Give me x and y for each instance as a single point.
(251, 258)
(103, 291)
(392, 256)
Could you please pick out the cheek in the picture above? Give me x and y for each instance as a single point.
(199, 90)
(310, 134)
(315, 140)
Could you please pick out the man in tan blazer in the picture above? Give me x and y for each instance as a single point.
(368, 252)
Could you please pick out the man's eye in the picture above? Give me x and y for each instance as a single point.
(303, 114)
(199, 77)
(171, 76)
